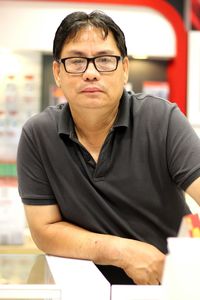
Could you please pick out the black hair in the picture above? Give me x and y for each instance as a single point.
(75, 21)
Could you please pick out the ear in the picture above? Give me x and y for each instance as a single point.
(56, 72)
(126, 69)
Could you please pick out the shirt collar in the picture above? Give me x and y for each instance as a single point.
(122, 119)
(66, 123)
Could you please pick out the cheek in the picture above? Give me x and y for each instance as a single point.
(117, 86)
(68, 85)
(67, 91)
(119, 80)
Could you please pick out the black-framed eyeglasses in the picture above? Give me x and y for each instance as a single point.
(103, 63)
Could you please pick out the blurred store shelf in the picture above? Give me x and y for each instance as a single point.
(28, 247)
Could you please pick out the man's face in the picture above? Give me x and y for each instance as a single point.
(91, 89)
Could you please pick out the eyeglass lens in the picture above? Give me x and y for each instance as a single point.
(101, 63)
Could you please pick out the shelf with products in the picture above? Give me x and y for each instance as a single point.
(28, 246)
(8, 169)
(14, 234)
(12, 219)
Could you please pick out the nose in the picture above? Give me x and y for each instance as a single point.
(91, 72)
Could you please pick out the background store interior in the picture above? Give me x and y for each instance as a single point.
(27, 86)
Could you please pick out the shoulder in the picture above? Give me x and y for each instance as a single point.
(150, 113)
(149, 103)
(45, 120)
(148, 108)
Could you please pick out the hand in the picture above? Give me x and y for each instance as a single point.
(142, 262)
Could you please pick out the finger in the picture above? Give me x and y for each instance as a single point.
(154, 281)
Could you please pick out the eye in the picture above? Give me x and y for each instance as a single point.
(104, 59)
(77, 61)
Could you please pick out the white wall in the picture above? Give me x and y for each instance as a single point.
(194, 79)
(31, 25)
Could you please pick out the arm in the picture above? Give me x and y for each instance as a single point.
(194, 190)
(141, 261)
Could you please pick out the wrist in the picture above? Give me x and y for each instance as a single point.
(109, 250)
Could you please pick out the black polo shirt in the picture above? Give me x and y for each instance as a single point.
(135, 190)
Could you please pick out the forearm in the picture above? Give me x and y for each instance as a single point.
(67, 240)
(142, 262)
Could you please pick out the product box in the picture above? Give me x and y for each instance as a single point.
(190, 226)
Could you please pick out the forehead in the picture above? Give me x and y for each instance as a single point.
(91, 37)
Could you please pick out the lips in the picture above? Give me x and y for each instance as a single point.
(91, 90)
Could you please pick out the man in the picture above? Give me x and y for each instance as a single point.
(102, 177)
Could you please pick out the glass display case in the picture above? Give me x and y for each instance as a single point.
(27, 277)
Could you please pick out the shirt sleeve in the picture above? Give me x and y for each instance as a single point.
(33, 183)
(183, 150)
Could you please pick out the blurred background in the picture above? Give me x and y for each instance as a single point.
(163, 40)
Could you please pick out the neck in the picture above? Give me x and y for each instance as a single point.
(93, 127)
(92, 123)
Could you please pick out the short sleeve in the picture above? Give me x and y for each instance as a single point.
(183, 150)
(33, 183)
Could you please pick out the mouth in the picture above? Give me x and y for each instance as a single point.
(91, 90)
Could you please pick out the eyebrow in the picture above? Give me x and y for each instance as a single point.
(98, 53)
